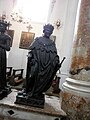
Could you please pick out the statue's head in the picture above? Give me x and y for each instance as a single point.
(3, 26)
(48, 30)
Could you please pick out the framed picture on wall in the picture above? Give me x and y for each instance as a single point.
(11, 33)
(26, 39)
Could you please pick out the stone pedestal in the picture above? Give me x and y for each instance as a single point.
(31, 101)
(76, 99)
(11, 111)
(76, 89)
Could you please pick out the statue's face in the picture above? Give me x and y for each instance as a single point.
(47, 33)
(48, 30)
(2, 27)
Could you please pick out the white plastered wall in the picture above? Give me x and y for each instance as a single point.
(66, 11)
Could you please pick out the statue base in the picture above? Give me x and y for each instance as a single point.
(5, 92)
(11, 111)
(31, 101)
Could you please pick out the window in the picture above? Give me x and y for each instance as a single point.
(35, 10)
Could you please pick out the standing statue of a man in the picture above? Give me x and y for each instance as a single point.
(42, 65)
(4, 46)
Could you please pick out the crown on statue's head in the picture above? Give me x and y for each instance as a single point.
(48, 27)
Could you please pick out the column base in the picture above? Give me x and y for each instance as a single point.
(76, 99)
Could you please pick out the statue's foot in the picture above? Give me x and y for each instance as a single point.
(23, 92)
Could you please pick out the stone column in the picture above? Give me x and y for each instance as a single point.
(76, 89)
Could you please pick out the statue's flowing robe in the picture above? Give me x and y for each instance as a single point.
(42, 65)
(4, 40)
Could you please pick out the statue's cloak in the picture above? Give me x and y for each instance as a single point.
(42, 65)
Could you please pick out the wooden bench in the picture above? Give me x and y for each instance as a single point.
(16, 77)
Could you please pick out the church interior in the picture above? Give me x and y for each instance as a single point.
(71, 36)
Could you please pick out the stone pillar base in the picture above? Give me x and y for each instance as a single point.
(76, 99)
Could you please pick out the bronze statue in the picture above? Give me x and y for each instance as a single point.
(4, 46)
(43, 63)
